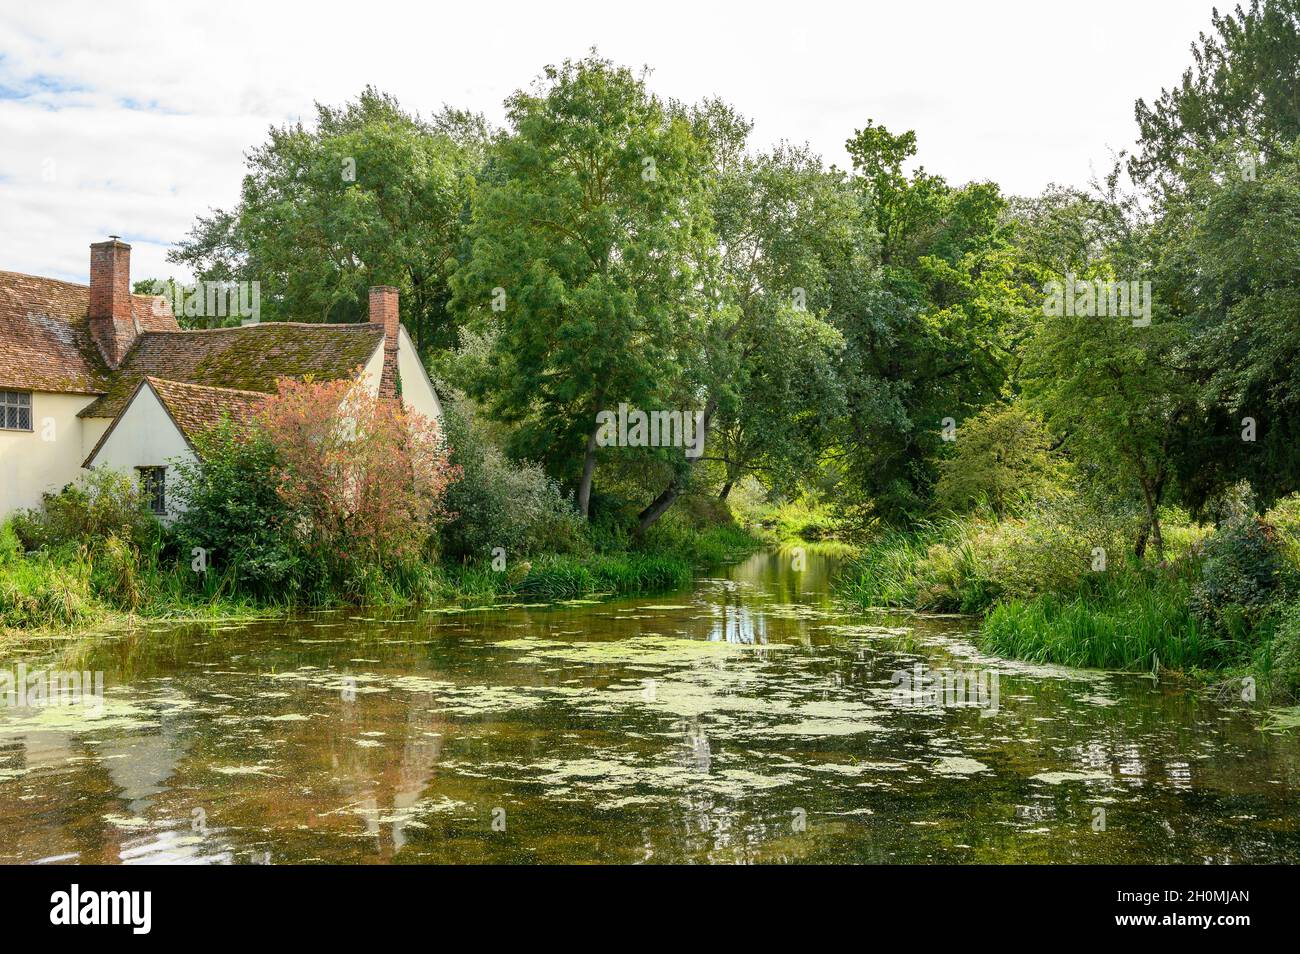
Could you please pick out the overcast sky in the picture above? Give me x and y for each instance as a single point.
(133, 118)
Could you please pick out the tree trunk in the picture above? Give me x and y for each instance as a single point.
(726, 489)
(1152, 491)
(659, 506)
(588, 473)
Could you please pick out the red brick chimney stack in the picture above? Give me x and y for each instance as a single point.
(112, 324)
(384, 311)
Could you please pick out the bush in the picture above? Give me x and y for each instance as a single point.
(101, 503)
(1284, 656)
(1244, 571)
(1002, 461)
(498, 503)
(231, 510)
(365, 479)
(968, 563)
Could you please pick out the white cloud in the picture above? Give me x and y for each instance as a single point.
(144, 110)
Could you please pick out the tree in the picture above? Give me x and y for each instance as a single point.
(373, 195)
(1003, 457)
(932, 325)
(585, 251)
(1241, 87)
(1116, 386)
(783, 224)
(1233, 250)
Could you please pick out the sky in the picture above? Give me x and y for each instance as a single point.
(133, 118)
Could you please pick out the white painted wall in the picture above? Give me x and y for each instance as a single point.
(417, 390)
(46, 458)
(373, 373)
(145, 437)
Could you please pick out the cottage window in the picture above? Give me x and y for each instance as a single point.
(15, 410)
(153, 484)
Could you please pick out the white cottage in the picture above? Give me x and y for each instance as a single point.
(96, 376)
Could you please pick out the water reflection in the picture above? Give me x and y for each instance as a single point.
(747, 719)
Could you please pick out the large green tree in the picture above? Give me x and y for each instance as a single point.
(932, 323)
(585, 263)
(1243, 86)
(371, 195)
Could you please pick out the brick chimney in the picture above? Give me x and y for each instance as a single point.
(112, 324)
(384, 311)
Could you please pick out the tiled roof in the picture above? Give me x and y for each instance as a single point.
(194, 408)
(45, 342)
(247, 358)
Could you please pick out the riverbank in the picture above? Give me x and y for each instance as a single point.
(1064, 587)
(64, 592)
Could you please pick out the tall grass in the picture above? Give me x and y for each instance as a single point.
(568, 577)
(930, 566)
(1132, 620)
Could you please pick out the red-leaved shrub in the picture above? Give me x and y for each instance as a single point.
(367, 476)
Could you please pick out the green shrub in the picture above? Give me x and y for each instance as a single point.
(692, 536)
(499, 503)
(1243, 572)
(231, 511)
(1004, 461)
(101, 503)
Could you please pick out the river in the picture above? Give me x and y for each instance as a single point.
(747, 719)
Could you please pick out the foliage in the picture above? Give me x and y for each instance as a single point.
(44, 591)
(372, 195)
(587, 237)
(558, 577)
(784, 224)
(968, 564)
(233, 515)
(1003, 459)
(1241, 86)
(101, 503)
(1244, 571)
(1137, 620)
(1284, 661)
(365, 478)
(498, 503)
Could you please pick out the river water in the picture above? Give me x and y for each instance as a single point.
(747, 719)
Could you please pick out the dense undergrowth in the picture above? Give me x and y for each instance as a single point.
(93, 555)
(1061, 585)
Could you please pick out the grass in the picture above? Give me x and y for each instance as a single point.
(1042, 596)
(1136, 621)
(68, 589)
